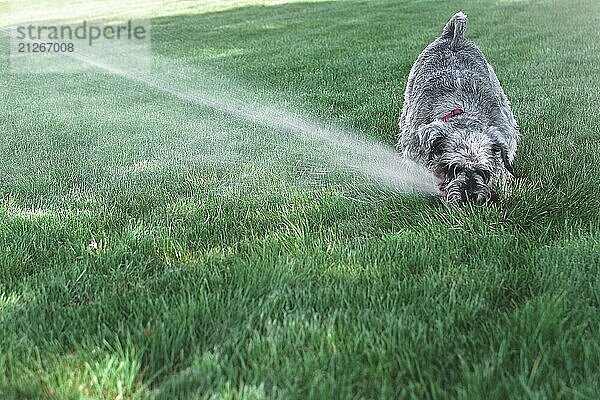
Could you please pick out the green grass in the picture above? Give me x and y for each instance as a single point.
(131, 267)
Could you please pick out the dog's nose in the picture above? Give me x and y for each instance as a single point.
(476, 198)
(480, 199)
(472, 196)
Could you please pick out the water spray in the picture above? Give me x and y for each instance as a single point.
(370, 159)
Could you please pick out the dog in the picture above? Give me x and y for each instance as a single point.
(456, 119)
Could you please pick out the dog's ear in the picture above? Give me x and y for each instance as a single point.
(507, 164)
(431, 139)
(500, 148)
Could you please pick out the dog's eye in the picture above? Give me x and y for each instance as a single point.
(437, 148)
(453, 170)
(486, 175)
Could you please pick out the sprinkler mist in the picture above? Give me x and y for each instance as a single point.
(338, 148)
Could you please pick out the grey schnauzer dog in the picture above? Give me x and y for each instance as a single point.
(456, 119)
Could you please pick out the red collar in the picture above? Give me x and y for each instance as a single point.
(453, 113)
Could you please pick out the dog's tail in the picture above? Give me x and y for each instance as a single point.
(455, 29)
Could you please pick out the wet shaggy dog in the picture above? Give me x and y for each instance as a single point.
(456, 119)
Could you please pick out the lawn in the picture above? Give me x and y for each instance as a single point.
(153, 248)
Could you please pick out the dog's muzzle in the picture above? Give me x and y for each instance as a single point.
(468, 187)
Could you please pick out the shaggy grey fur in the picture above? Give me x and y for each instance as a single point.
(471, 153)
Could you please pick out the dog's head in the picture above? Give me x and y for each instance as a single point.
(470, 160)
